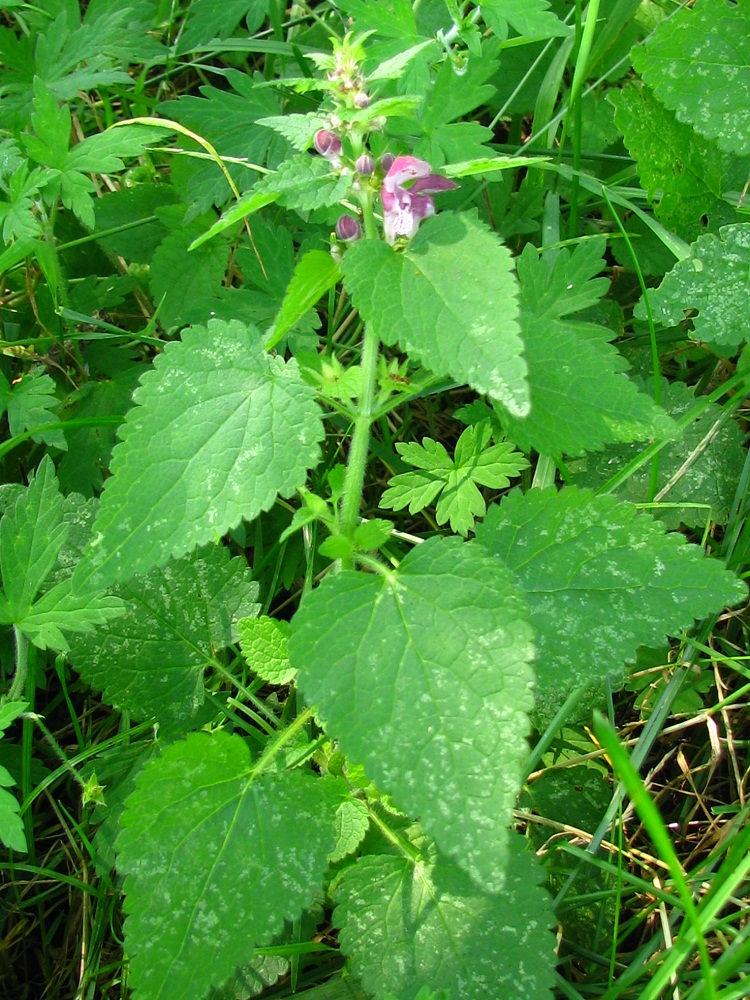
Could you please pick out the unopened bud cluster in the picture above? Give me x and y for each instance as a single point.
(405, 184)
(346, 77)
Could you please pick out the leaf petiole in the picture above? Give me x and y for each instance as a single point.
(408, 850)
(279, 743)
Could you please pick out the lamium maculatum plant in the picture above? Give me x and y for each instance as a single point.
(376, 788)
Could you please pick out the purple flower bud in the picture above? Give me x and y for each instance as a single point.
(348, 229)
(386, 162)
(328, 144)
(365, 164)
(361, 100)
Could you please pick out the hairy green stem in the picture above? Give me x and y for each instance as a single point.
(66, 764)
(357, 462)
(368, 216)
(401, 843)
(276, 745)
(22, 661)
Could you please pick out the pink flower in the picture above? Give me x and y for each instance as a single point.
(404, 208)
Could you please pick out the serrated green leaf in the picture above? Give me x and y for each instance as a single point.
(297, 129)
(448, 300)
(269, 264)
(597, 120)
(684, 174)
(128, 217)
(314, 274)
(32, 403)
(337, 547)
(530, 18)
(698, 65)
(12, 833)
(9, 712)
(68, 58)
(331, 378)
(454, 95)
(392, 69)
(32, 533)
(423, 676)
(429, 454)
(352, 822)
(461, 503)
(72, 57)
(78, 515)
(202, 846)
(11, 159)
(453, 141)
(219, 429)
(11, 825)
(406, 926)
(403, 106)
(305, 183)
(392, 20)
(475, 412)
(372, 534)
(252, 978)
(183, 283)
(601, 579)
(207, 20)
(264, 643)
(227, 119)
(105, 152)
(152, 660)
(19, 214)
(580, 400)
(82, 468)
(416, 490)
(75, 191)
(714, 282)
(710, 478)
(51, 122)
(64, 177)
(490, 465)
(63, 609)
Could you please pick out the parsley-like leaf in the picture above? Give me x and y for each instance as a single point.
(455, 480)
